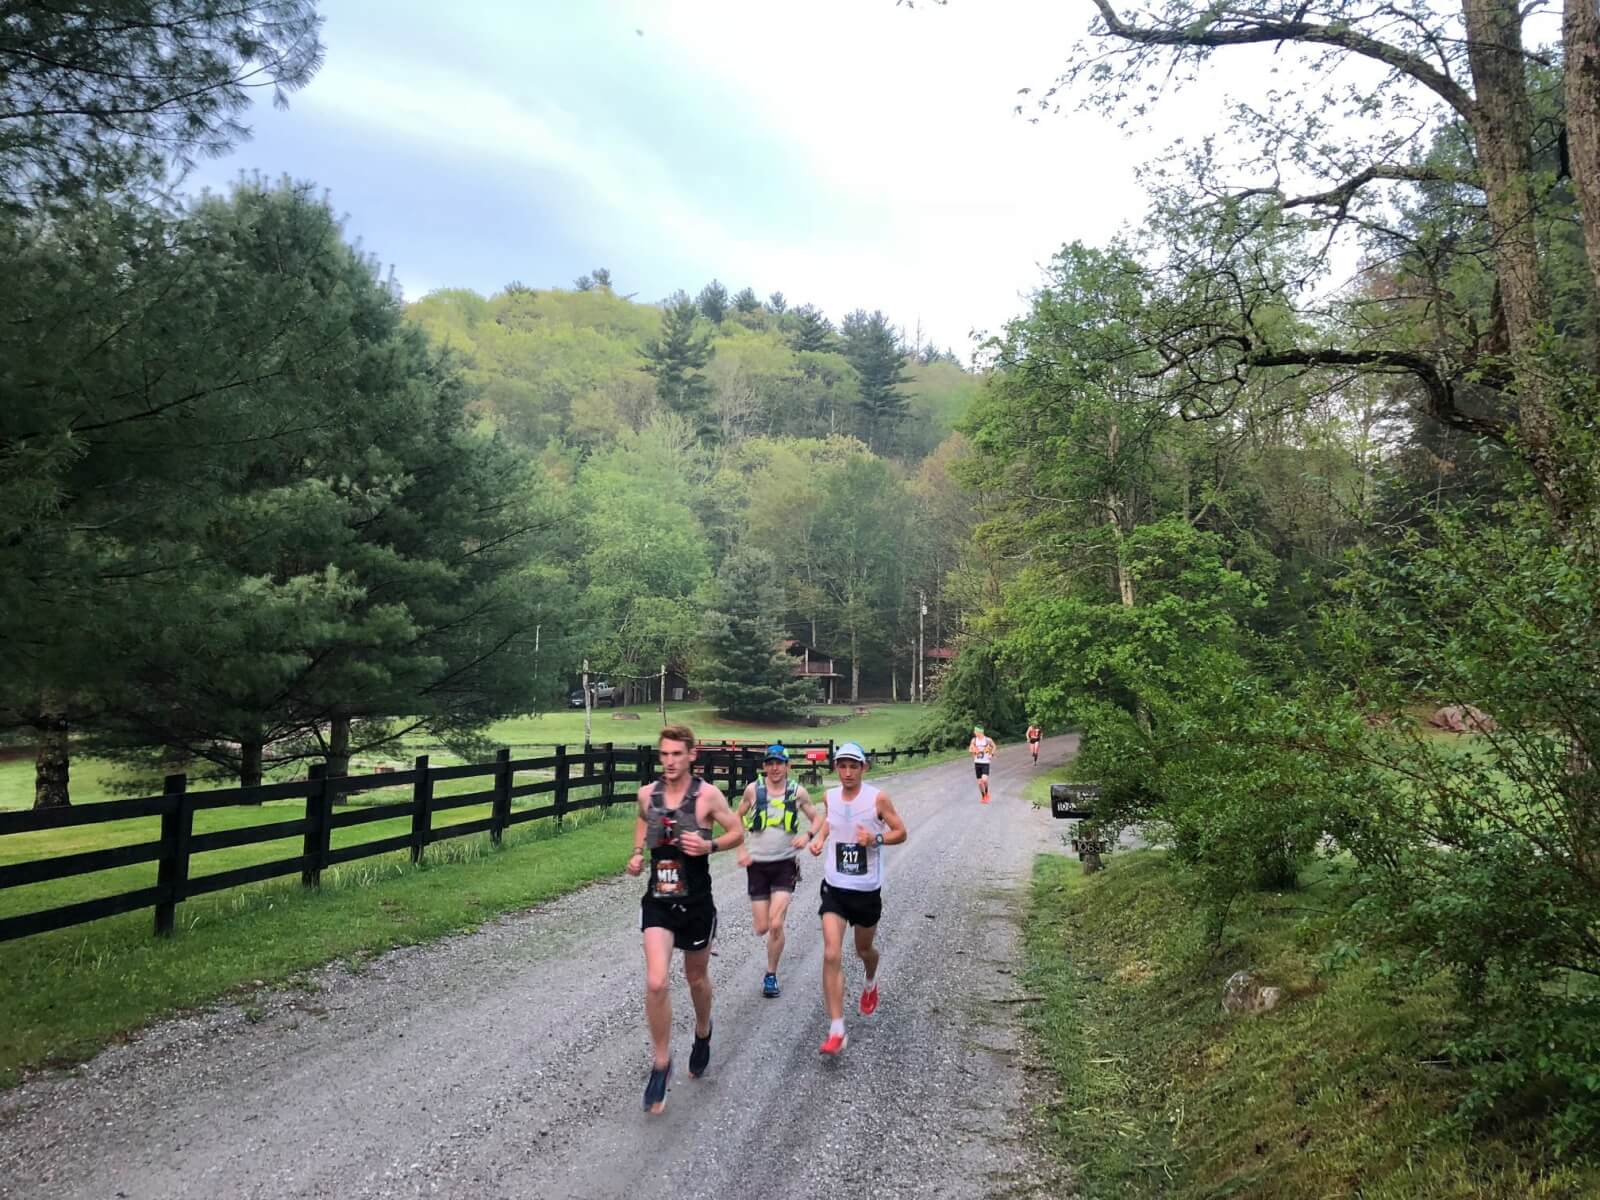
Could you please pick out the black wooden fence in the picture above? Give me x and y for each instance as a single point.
(573, 780)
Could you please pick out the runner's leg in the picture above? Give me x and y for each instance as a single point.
(833, 965)
(774, 924)
(695, 964)
(759, 915)
(657, 995)
(867, 951)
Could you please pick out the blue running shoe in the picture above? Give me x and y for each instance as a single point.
(655, 1092)
(769, 986)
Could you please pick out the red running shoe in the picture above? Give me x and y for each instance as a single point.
(869, 1001)
(834, 1046)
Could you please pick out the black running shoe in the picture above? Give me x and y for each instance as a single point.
(655, 1092)
(700, 1055)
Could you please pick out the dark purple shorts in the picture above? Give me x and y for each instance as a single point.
(768, 877)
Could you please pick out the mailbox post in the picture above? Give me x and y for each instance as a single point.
(1075, 802)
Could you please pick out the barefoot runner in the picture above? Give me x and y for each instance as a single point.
(859, 821)
(770, 809)
(982, 750)
(676, 813)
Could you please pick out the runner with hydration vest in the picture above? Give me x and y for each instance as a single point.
(676, 813)
(770, 809)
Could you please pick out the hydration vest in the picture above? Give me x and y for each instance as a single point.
(658, 816)
(788, 813)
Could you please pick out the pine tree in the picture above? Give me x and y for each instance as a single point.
(745, 673)
(745, 301)
(713, 302)
(873, 349)
(778, 303)
(812, 330)
(96, 96)
(677, 361)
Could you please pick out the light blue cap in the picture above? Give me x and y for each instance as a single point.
(851, 750)
(775, 751)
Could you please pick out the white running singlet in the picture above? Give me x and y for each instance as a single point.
(846, 863)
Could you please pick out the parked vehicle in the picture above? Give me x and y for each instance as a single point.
(603, 693)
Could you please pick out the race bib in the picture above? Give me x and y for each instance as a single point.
(850, 858)
(667, 879)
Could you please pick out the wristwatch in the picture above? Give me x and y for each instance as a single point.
(879, 839)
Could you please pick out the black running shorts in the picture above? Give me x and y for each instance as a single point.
(764, 878)
(980, 769)
(858, 908)
(693, 923)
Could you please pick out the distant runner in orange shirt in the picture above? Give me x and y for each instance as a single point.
(982, 750)
(1034, 734)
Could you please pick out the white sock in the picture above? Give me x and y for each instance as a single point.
(836, 1027)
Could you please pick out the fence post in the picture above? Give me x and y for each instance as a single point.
(500, 812)
(319, 809)
(563, 773)
(172, 871)
(608, 777)
(647, 765)
(421, 809)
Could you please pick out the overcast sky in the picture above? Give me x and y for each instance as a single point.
(848, 152)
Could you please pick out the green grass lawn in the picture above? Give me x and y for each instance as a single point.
(885, 726)
(1342, 1092)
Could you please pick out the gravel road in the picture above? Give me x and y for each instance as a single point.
(510, 1062)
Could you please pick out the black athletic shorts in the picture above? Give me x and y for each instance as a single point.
(764, 878)
(693, 923)
(858, 908)
(980, 769)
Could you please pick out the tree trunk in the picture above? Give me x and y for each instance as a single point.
(1580, 36)
(250, 751)
(51, 766)
(855, 669)
(1503, 128)
(339, 753)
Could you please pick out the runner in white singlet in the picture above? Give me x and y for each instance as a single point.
(858, 822)
(982, 750)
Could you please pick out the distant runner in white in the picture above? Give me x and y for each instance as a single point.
(858, 822)
(982, 750)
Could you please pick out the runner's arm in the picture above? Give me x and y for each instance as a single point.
(717, 812)
(803, 799)
(886, 813)
(819, 836)
(641, 829)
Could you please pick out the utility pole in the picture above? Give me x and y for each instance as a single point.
(663, 694)
(588, 707)
(922, 654)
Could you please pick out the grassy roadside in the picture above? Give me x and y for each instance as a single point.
(66, 994)
(1340, 1093)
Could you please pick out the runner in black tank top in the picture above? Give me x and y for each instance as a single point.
(676, 814)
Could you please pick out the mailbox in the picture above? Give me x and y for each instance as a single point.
(1073, 801)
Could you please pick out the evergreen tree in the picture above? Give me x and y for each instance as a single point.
(713, 302)
(812, 331)
(677, 359)
(745, 301)
(95, 97)
(777, 303)
(744, 672)
(583, 283)
(872, 348)
(601, 277)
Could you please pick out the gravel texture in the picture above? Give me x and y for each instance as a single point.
(510, 1062)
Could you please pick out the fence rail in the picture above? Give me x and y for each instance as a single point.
(731, 765)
